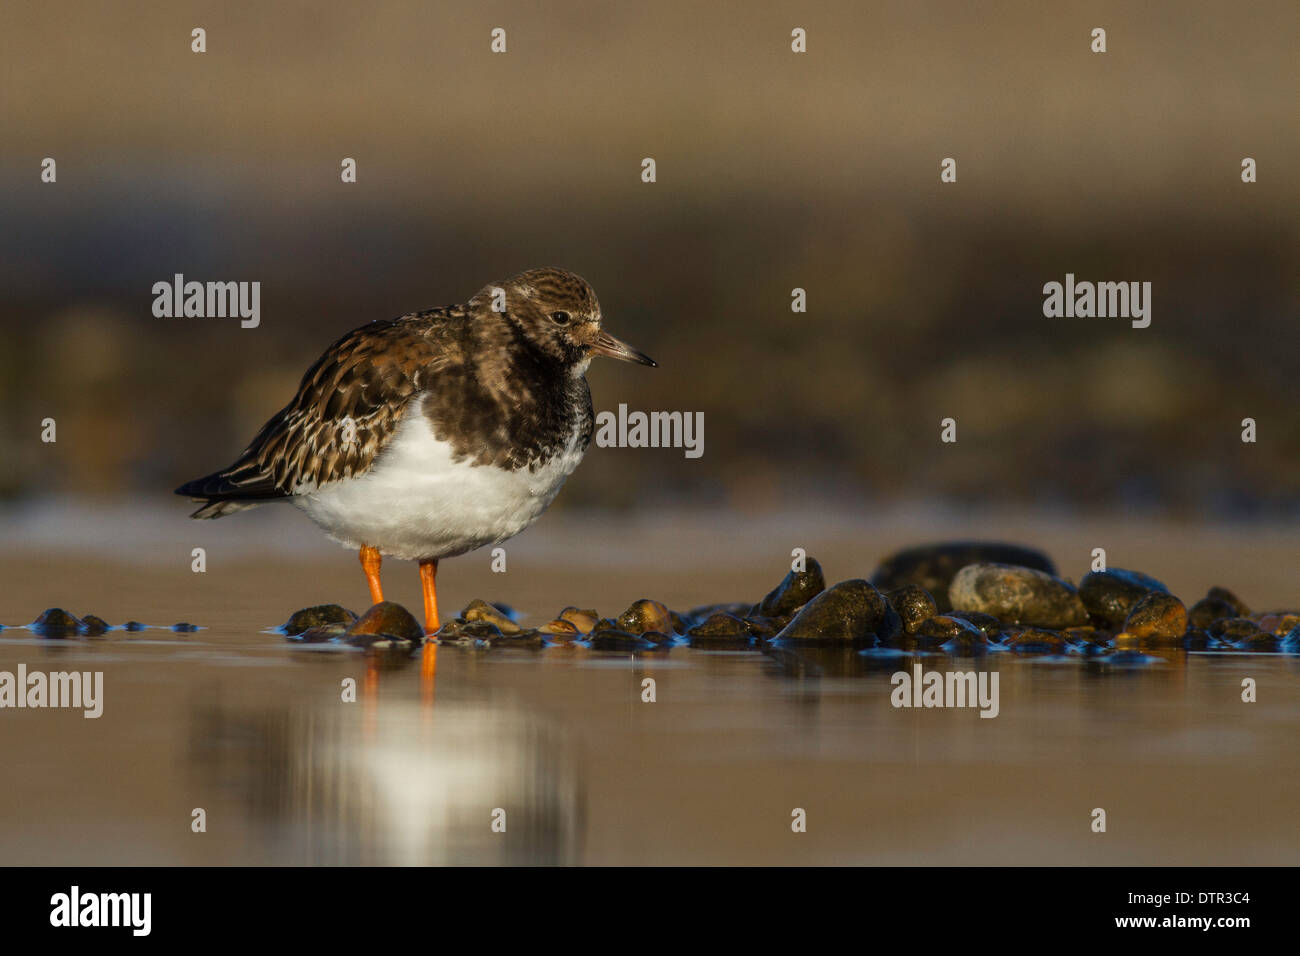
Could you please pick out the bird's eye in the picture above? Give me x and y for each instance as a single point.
(560, 318)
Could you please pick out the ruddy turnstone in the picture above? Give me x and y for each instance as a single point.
(430, 435)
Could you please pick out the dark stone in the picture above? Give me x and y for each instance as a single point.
(134, 626)
(720, 625)
(1017, 595)
(721, 630)
(1233, 629)
(987, 623)
(795, 590)
(1035, 640)
(584, 619)
(385, 618)
(480, 610)
(1110, 595)
(1208, 610)
(706, 611)
(185, 628)
(763, 628)
(1223, 594)
(645, 615)
(315, 616)
(56, 622)
(469, 632)
(914, 605)
(951, 632)
(1197, 639)
(93, 626)
(852, 611)
(1158, 616)
(934, 566)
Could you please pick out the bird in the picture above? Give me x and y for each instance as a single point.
(435, 433)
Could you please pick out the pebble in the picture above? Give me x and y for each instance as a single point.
(852, 611)
(93, 626)
(56, 622)
(645, 615)
(1223, 594)
(583, 619)
(1208, 610)
(796, 589)
(987, 623)
(721, 630)
(1158, 616)
(914, 604)
(1110, 595)
(315, 616)
(933, 567)
(947, 631)
(480, 610)
(385, 619)
(1035, 640)
(1017, 595)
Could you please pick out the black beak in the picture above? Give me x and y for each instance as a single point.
(606, 344)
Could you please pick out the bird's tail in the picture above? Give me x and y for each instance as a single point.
(241, 486)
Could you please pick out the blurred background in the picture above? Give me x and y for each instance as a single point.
(775, 171)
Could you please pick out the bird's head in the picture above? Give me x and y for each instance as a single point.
(558, 313)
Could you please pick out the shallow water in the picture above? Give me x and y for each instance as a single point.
(251, 728)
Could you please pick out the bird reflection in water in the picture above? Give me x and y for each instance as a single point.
(324, 787)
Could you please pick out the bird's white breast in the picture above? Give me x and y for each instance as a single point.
(416, 502)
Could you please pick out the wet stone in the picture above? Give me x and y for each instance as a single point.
(1234, 629)
(583, 619)
(315, 616)
(914, 604)
(1208, 610)
(987, 623)
(643, 616)
(560, 631)
(388, 618)
(706, 611)
(720, 625)
(852, 611)
(185, 627)
(721, 631)
(1035, 640)
(1017, 595)
(796, 589)
(479, 610)
(1158, 616)
(1197, 639)
(468, 632)
(93, 626)
(1239, 608)
(134, 626)
(1110, 595)
(56, 622)
(762, 628)
(1278, 623)
(933, 567)
(945, 630)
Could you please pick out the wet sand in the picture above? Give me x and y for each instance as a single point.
(253, 730)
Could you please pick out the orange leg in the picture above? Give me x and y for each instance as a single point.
(370, 561)
(428, 578)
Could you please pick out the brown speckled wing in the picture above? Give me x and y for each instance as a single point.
(347, 408)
